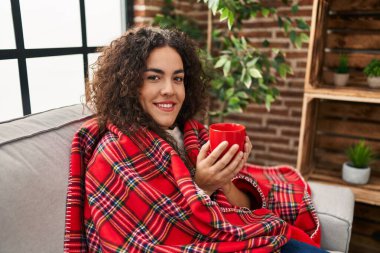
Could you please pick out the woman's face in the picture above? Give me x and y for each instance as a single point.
(163, 90)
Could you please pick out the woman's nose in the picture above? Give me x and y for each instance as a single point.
(167, 88)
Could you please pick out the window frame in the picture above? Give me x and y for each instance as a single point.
(21, 53)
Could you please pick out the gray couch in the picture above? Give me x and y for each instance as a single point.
(34, 162)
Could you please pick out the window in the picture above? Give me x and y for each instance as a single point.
(46, 47)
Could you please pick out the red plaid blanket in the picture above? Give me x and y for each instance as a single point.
(134, 194)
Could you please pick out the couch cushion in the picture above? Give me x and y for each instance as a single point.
(335, 207)
(34, 163)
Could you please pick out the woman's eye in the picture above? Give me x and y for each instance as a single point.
(153, 77)
(178, 79)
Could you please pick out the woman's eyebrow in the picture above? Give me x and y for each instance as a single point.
(160, 71)
(179, 71)
(155, 70)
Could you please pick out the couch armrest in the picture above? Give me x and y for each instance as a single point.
(335, 209)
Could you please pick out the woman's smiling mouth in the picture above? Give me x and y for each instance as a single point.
(165, 106)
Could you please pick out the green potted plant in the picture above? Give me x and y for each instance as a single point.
(240, 73)
(341, 74)
(372, 71)
(357, 170)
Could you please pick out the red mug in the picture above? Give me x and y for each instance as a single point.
(231, 132)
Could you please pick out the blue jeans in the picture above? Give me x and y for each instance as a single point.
(294, 246)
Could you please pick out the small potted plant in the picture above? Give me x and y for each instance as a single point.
(372, 71)
(357, 170)
(341, 74)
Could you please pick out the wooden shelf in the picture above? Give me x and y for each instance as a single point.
(329, 125)
(344, 93)
(334, 118)
(368, 193)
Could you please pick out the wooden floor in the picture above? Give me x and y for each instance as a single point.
(366, 229)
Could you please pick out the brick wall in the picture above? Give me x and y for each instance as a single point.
(274, 134)
(145, 10)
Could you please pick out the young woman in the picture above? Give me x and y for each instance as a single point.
(142, 177)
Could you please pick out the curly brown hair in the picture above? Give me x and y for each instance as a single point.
(114, 91)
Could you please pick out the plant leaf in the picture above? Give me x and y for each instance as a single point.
(229, 93)
(280, 21)
(234, 108)
(255, 73)
(227, 67)
(265, 12)
(248, 81)
(295, 9)
(268, 101)
(284, 69)
(215, 7)
(252, 63)
(287, 25)
(217, 84)
(293, 36)
(276, 51)
(302, 24)
(224, 14)
(242, 94)
(231, 20)
(222, 60)
(234, 101)
(266, 43)
(243, 73)
(211, 5)
(360, 154)
(304, 37)
(243, 42)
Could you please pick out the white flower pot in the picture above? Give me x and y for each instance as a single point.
(374, 82)
(354, 175)
(341, 79)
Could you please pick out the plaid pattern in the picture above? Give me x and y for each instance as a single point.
(287, 210)
(135, 194)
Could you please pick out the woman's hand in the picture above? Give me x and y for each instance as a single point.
(247, 151)
(247, 148)
(213, 173)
